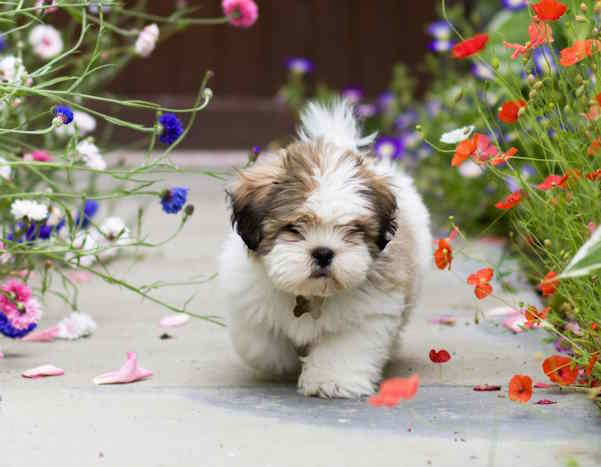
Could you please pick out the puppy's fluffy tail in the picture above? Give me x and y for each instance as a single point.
(335, 123)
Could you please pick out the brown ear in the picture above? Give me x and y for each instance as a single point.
(384, 206)
(250, 199)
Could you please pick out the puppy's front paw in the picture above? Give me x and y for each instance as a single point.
(312, 383)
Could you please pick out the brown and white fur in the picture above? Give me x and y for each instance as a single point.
(323, 224)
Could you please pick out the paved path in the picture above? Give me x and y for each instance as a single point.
(204, 408)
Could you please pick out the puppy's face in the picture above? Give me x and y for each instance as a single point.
(316, 217)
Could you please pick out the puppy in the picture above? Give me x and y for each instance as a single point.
(325, 261)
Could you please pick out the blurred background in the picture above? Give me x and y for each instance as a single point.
(349, 42)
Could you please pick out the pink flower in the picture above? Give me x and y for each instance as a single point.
(18, 306)
(242, 13)
(39, 156)
(484, 150)
(128, 373)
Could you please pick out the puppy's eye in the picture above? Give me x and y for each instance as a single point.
(291, 228)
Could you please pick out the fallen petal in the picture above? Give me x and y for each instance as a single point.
(540, 385)
(545, 402)
(42, 371)
(76, 326)
(175, 320)
(516, 323)
(128, 373)
(45, 335)
(487, 387)
(444, 320)
(81, 277)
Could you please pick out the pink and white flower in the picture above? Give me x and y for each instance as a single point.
(147, 40)
(28, 209)
(45, 41)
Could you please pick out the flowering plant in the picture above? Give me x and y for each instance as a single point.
(55, 174)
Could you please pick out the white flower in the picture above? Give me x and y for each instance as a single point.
(112, 233)
(146, 41)
(469, 169)
(458, 135)
(87, 244)
(56, 215)
(45, 41)
(5, 169)
(12, 70)
(90, 153)
(76, 325)
(32, 210)
(84, 122)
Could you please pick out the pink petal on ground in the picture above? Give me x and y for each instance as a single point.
(81, 277)
(487, 388)
(45, 335)
(174, 321)
(445, 320)
(545, 402)
(502, 311)
(540, 385)
(128, 373)
(516, 323)
(42, 371)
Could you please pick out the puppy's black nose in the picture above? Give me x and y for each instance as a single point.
(323, 256)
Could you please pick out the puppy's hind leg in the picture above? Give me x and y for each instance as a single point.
(261, 349)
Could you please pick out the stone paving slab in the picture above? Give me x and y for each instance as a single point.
(204, 407)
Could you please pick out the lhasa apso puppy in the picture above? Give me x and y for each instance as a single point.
(325, 261)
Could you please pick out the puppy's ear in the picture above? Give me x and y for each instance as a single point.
(250, 202)
(385, 208)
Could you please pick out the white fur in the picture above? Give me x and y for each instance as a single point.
(350, 343)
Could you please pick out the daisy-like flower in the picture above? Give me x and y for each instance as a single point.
(520, 389)
(5, 169)
(147, 40)
(515, 5)
(45, 41)
(560, 369)
(510, 201)
(241, 13)
(90, 154)
(509, 111)
(389, 148)
(12, 71)
(352, 95)
(83, 121)
(38, 156)
(113, 231)
(28, 209)
(64, 114)
(470, 46)
(299, 65)
(173, 200)
(458, 135)
(443, 256)
(549, 10)
(86, 244)
(171, 130)
(481, 281)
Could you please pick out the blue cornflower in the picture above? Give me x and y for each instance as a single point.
(352, 95)
(441, 45)
(514, 5)
(173, 200)
(543, 60)
(172, 128)
(2, 43)
(406, 119)
(9, 330)
(65, 113)
(483, 71)
(387, 147)
(299, 65)
(90, 208)
(439, 30)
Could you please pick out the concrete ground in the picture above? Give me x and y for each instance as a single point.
(203, 407)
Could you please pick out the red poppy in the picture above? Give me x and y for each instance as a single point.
(591, 364)
(481, 281)
(593, 176)
(579, 51)
(539, 32)
(508, 112)
(553, 181)
(533, 316)
(469, 47)
(504, 156)
(520, 388)
(549, 10)
(393, 390)
(442, 356)
(464, 150)
(560, 370)
(549, 285)
(510, 201)
(593, 326)
(593, 149)
(443, 256)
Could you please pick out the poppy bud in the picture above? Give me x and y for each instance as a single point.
(583, 7)
(531, 79)
(547, 242)
(538, 85)
(580, 91)
(189, 209)
(532, 94)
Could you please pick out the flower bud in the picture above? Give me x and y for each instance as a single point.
(531, 79)
(189, 210)
(532, 94)
(583, 7)
(547, 242)
(538, 85)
